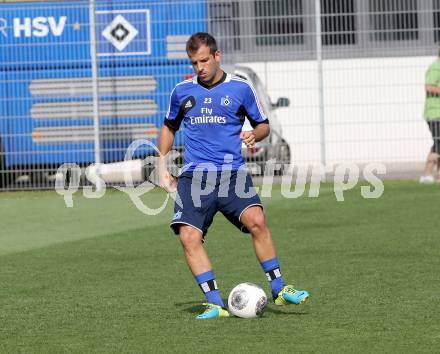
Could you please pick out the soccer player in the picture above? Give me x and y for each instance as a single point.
(212, 107)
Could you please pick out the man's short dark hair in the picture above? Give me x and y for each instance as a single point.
(198, 39)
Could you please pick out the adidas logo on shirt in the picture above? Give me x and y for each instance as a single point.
(188, 105)
(177, 215)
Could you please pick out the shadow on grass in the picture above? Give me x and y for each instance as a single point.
(287, 311)
(194, 307)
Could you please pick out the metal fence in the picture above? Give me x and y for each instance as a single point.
(353, 71)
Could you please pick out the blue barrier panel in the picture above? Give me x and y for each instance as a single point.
(3, 109)
(52, 122)
(46, 87)
(44, 34)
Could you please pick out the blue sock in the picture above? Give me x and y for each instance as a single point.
(272, 269)
(209, 287)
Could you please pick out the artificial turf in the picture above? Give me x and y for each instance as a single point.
(103, 277)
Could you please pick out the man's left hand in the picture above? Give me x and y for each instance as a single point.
(248, 138)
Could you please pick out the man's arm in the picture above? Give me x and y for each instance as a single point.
(166, 140)
(251, 109)
(261, 131)
(432, 89)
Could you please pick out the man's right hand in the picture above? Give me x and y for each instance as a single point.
(168, 182)
(166, 138)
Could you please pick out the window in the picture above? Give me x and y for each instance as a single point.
(393, 20)
(224, 23)
(436, 19)
(279, 22)
(338, 22)
(259, 30)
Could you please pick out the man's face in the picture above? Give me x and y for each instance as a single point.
(205, 64)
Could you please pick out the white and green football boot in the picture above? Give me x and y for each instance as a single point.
(212, 311)
(289, 295)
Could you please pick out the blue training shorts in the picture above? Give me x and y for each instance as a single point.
(200, 194)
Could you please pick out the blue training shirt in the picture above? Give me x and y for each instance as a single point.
(213, 117)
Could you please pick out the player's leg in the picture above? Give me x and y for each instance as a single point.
(433, 156)
(195, 254)
(438, 168)
(191, 224)
(253, 219)
(242, 207)
(431, 160)
(200, 266)
(436, 145)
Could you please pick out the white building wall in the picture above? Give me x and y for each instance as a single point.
(373, 108)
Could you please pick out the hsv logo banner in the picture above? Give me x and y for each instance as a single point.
(123, 32)
(33, 27)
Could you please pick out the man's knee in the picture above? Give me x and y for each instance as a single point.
(254, 220)
(433, 157)
(189, 236)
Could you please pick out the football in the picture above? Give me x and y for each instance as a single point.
(247, 300)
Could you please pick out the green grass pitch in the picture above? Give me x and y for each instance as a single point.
(102, 277)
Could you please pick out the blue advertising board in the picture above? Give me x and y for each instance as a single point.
(45, 76)
(44, 34)
(47, 34)
(53, 121)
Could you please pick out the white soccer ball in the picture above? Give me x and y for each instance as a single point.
(247, 300)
